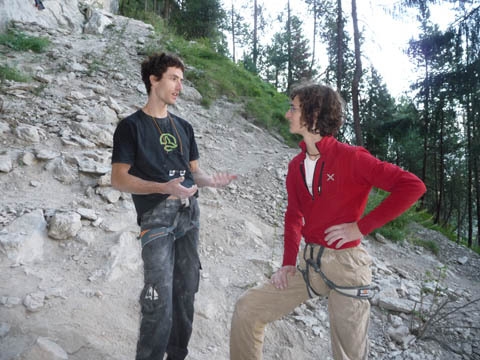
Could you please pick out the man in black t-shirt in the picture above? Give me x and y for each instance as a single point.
(155, 158)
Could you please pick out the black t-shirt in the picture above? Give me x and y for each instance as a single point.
(158, 149)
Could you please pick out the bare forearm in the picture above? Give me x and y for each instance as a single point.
(135, 185)
(202, 179)
(123, 181)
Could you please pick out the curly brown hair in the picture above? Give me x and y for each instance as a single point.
(157, 64)
(322, 108)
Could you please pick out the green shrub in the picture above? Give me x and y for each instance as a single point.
(20, 42)
(427, 244)
(9, 73)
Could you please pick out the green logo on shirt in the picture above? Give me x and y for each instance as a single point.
(168, 141)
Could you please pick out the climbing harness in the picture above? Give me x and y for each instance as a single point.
(359, 292)
(148, 235)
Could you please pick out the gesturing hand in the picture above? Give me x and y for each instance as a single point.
(344, 232)
(222, 179)
(279, 279)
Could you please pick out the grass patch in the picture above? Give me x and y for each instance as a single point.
(427, 244)
(426, 220)
(19, 41)
(476, 248)
(94, 67)
(9, 73)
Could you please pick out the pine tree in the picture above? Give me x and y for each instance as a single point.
(299, 53)
(197, 19)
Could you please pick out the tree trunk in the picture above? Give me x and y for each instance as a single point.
(477, 191)
(166, 11)
(426, 125)
(289, 50)
(441, 170)
(339, 46)
(356, 77)
(255, 35)
(314, 40)
(470, 152)
(233, 33)
(476, 174)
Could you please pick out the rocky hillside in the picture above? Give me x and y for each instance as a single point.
(70, 266)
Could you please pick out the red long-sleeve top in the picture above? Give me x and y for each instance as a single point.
(343, 178)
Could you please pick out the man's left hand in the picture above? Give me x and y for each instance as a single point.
(222, 179)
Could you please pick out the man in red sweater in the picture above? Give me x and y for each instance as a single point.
(328, 184)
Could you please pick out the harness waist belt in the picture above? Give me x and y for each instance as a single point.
(360, 292)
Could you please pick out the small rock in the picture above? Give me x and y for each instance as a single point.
(34, 301)
(64, 225)
(4, 329)
(380, 238)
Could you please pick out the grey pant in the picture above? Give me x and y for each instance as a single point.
(169, 237)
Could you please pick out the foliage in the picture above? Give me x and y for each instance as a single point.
(196, 19)
(239, 30)
(299, 53)
(18, 41)
(276, 59)
(449, 78)
(341, 62)
(376, 111)
(141, 10)
(191, 19)
(253, 55)
(287, 60)
(9, 73)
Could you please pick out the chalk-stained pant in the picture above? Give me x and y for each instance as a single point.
(169, 235)
(349, 317)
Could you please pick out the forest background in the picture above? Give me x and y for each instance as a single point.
(433, 129)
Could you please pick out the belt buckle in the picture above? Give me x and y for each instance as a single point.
(185, 202)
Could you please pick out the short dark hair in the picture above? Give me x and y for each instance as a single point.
(323, 110)
(157, 65)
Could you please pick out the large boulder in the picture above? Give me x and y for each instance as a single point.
(56, 14)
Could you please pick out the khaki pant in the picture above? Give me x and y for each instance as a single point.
(349, 317)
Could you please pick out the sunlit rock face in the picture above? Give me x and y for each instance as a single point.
(64, 14)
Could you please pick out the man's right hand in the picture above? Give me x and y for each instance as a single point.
(174, 187)
(280, 278)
